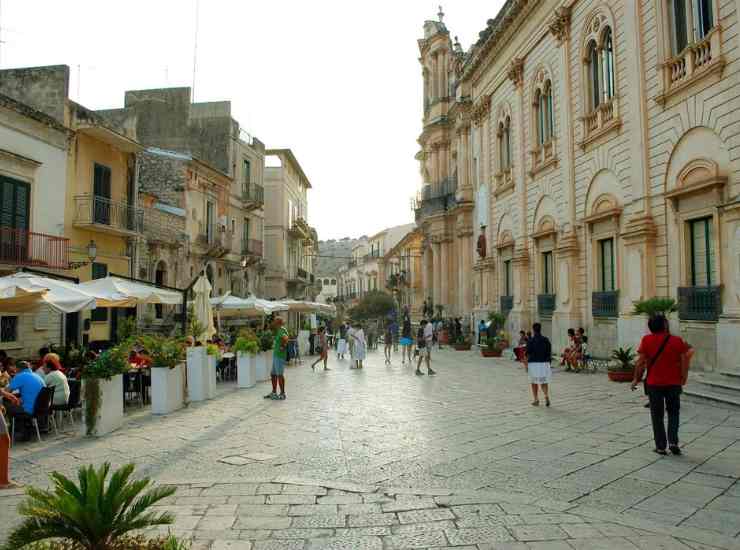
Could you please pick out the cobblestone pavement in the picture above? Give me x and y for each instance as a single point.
(381, 458)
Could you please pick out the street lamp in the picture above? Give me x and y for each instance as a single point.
(92, 253)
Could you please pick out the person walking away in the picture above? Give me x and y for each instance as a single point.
(342, 342)
(394, 335)
(323, 349)
(388, 342)
(406, 341)
(360, 345)
(279, 357)
(666, 358)
(537, 363)
(426, 333)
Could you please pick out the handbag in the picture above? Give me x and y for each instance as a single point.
(652, 361)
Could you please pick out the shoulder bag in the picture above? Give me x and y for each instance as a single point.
(653, 359)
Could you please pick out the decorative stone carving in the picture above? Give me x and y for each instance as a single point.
(481, 246)
(481, 109)
(516, 72)
(560, 24)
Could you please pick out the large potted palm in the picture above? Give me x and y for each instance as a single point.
(246, 348)
(624, 370)
(494, 346)
(94, 514)
(168, 373)
(462, 343)
(102, 391)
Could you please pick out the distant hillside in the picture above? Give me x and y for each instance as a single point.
(333, 254)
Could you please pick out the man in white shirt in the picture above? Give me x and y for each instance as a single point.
(425, 347)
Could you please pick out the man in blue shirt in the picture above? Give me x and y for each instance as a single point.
(27, 385)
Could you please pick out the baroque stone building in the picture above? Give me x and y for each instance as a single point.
(582, 156)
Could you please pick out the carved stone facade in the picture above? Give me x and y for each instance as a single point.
(596, 146)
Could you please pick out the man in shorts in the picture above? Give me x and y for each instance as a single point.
(425, 347)
(279, 357)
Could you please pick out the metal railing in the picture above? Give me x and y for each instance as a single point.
(605, 303)
(296, 273)
(251, 247)
(507, 304)
(97, 210)
(23, 247)
(546, 304)
(253, 193)
(699, 303)
(436, 197)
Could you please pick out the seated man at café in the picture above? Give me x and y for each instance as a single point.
(56, 379)
(20, 395)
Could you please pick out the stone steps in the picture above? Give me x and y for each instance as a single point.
(723, 387)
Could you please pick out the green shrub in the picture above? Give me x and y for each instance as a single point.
(266, 340)
(93, 514)
(165, 352)
(654, 306)
(246, 345)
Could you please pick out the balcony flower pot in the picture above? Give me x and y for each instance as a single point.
(167, 394)
(197, 368)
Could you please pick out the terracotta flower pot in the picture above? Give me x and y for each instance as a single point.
(620, 376)
(462, 347)
(485, 352)
(443, 339)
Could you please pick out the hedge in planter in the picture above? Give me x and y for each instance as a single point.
(246, 348)
(109, 364)
(168, 378)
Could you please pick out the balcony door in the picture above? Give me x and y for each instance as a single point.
(101, 195)
(14, 219)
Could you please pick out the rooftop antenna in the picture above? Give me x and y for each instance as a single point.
(195, 47)
(441, 14)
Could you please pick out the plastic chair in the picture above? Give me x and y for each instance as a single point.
(41, 409)
(73, 403)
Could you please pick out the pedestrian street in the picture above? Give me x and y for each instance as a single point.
(380, 458)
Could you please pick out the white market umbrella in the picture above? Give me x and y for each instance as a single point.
(113, 291)
(246, 307)
(23, 292)
(203, 311)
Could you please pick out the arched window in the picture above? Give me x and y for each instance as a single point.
(545, 116)
(334, 281)
(594, 75)
(690, 21)
(607, 63)
(541, 108)
(550, 112)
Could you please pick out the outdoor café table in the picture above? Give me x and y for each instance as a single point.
(230, 357)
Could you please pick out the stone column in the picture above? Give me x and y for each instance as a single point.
(566, 313)
(424, 274)
(466, 283)
(444, 277)
(437, 272)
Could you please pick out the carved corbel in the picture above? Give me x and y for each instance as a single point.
(560, 24)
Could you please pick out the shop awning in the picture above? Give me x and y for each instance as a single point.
(26, 292)
(113, 291)
(247, 307)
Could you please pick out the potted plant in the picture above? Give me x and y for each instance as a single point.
(246, 348)
(462, 343)
(168, 373)
(102, 391)
(95, 513)
(213, 355)
(494, 346)
(654, 306)
(264, 358)
(624, 370)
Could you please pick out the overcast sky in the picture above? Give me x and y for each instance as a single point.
(336, 81)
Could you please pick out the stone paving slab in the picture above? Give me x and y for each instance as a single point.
(383, 459)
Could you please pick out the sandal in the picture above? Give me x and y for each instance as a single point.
(536, 403)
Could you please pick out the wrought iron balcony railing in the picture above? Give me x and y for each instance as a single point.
(699, 303)
(253, 194)
(102, 213)
(605, 303)
(23, 247)
(546, 304)
(436, 197)
(251, 247)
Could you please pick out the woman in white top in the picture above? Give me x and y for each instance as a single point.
(360, 345)
(55, 379)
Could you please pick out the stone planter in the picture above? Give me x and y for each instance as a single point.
(109, 416)
(620, 375)
(167, 389)
(303, 344)
(211, 392)
(246, 370)
(485, 352)
(198, 381)
(262, 370)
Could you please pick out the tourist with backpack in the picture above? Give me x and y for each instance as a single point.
(537, 363)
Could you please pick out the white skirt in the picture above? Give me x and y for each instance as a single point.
(342, 346)
(539, 373)
(358, 353)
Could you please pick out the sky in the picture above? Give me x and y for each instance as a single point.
(337, 81)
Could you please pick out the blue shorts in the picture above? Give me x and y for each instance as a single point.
(406, 341)
(278, 366)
